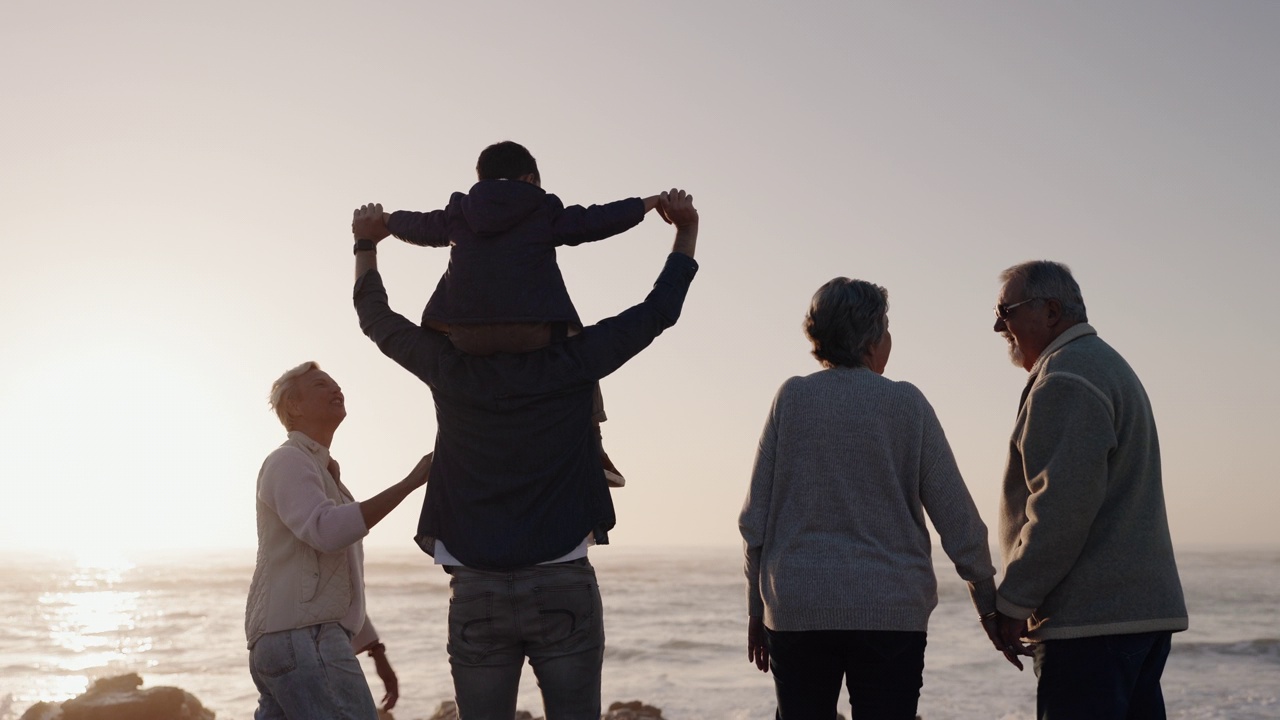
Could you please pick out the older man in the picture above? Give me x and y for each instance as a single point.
(1089, 572)
(518, 492)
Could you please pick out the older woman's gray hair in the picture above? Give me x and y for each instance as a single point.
(846, 319)
(1048, 280)
(282, 389)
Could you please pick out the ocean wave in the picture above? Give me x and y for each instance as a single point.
(682, 644)
(1266, 648)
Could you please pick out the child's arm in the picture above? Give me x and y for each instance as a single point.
(575, 224)
(419, 228)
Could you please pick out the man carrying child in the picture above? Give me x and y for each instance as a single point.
(503, 291)
(516, 495)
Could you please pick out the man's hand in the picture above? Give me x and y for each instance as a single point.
(368, 222)
(388, 677)
(1006, 635)
(676, 207)
(757, 644)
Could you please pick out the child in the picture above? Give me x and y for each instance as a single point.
(503, 291)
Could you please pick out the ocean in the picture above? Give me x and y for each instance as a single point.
(675, 625)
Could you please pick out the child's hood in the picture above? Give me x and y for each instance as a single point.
(496, 206)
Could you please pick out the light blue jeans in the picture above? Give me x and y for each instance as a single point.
(550, 614)
(310, 674)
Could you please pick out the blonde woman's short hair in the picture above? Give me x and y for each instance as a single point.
(282, 389)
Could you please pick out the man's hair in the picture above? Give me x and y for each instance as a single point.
(506, 160)
(846, 319)
(1049, 280)
(282, 390)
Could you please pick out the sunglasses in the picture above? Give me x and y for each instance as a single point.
(1003, 311)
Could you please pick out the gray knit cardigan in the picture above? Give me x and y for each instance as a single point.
(834, 521)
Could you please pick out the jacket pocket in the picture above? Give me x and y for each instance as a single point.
(309, 575)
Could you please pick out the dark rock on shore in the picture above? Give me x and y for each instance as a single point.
(119, 698)
(634, 710)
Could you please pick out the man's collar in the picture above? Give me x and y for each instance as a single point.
(1075, 332)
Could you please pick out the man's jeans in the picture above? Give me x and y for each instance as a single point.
(550, 614)
(310, 673)
(1109, 677)
(883, 670)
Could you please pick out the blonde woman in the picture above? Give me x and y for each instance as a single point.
(305, 618)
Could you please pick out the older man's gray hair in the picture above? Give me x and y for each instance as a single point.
(846, 319)
(1048, 280)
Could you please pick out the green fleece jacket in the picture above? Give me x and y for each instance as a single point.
(1083, 529)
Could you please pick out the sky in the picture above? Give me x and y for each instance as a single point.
(177, 181)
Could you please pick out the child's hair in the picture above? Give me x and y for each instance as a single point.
(506, 160)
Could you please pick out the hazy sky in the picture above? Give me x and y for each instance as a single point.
(177, 179)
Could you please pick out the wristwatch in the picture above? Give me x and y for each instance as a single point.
(364, 245)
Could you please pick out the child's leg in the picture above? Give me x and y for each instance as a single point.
(598, 416)
(490, 338)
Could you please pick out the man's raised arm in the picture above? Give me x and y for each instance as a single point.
(415, 348)
(612, 341)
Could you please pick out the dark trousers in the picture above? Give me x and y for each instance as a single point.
(883, 670)
(1109, 677)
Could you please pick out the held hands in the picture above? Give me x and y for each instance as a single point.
(1006, 635)
(676, 207)
(757, 644)
(368, 222)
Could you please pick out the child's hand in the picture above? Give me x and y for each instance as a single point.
(655, 201)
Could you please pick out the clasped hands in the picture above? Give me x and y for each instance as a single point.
(1006, 635)
(369, 222)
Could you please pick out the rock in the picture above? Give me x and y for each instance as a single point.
(634, 710)
(42, 711)
(118, 698)
(448, 710)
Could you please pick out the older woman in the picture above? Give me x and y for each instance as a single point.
(839, 574)
(305, 620)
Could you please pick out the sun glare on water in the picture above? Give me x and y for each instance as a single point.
(91, 619)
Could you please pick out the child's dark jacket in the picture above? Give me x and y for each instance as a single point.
(502, 263)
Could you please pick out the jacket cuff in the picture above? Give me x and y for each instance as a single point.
(983, 594)
(1016, 612)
